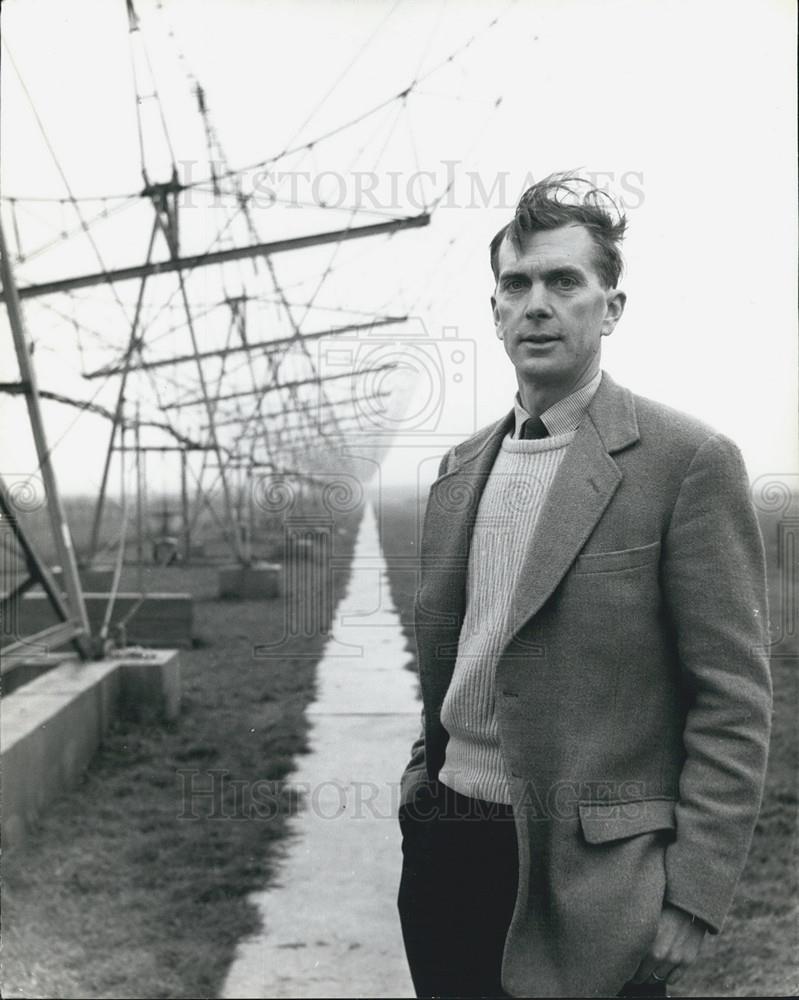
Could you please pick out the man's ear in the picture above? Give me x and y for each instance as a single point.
(495, 315)
(616, 300)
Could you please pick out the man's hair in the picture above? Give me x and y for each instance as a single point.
(565, 199)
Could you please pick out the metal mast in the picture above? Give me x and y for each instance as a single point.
(74, 609)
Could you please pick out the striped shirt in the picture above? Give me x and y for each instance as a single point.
(563, 416)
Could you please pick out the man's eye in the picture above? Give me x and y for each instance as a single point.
(514, 284)
(566, 282)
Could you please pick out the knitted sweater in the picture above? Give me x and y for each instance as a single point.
(509, 508)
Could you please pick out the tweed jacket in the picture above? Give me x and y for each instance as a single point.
(633, 695)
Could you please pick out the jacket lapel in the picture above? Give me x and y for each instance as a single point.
(452, 509)
(449, 520)
(581, 491)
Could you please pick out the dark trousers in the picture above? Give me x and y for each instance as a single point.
(456, 895)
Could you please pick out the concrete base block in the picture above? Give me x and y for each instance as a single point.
(52, 726)
(98, 581)
(261, 580)
(161, 620)
(93, 578)
(150, 685)
(29, 668)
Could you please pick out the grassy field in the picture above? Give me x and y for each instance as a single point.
(758, 952)
(132, 886)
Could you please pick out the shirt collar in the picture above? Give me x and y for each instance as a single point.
(565, 415)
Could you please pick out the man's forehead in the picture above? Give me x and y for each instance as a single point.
(571, 244)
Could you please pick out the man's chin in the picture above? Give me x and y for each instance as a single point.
(541, 369)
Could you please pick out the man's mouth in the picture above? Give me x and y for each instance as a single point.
(540, 338)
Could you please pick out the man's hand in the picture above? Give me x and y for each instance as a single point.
(675, 947)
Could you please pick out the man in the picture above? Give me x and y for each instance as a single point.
(592, 635)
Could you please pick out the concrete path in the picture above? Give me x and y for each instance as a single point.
(330, 928)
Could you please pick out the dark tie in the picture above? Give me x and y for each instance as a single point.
(533, 427)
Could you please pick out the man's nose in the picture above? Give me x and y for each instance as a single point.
(537, 306)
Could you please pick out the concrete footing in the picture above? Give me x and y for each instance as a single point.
(98, 580)
(30, 668)
(94, 578)
(52, 726)
(161, 620)
(260, 580)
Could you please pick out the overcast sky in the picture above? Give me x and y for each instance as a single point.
(684, 110)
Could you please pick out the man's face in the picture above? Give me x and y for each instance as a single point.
(551, 309)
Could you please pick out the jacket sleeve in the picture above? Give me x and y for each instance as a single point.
(715, 587)
(415, 773)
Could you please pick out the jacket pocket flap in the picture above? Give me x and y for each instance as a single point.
(610, 562)
(603, 822)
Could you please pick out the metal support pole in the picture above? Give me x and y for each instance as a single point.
(251, 509)
(184, 507)
(61, 533)
(263, 390)
(222, 256)
(258, 347)
(139, 511)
